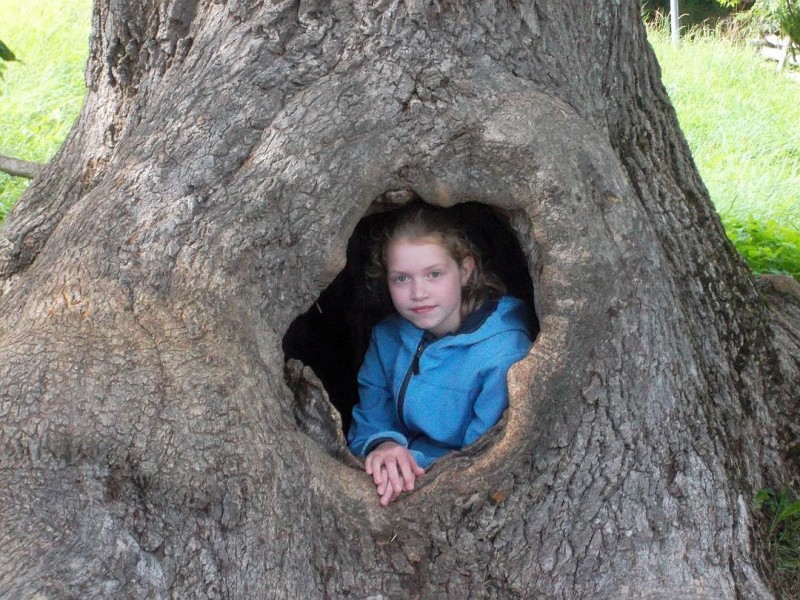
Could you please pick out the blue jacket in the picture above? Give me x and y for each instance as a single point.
(436, 395)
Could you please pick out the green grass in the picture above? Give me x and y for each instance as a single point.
(767, 246)
(779, 511)
(741, 118)
(40, 97)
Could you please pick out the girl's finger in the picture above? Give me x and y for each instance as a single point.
(388, 495)
(394, 477)
(408, 475)
(378, 472)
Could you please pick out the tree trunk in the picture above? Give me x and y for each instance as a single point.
(204, 200)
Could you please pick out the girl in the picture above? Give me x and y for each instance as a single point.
(434, 376)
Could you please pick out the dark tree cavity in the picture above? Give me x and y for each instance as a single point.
(155, 442)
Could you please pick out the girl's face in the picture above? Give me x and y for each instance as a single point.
(425, 284)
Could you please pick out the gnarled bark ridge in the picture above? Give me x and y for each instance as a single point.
(225, 153)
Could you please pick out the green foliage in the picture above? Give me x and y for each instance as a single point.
(769, 16)
(780, 510)
(731, 3)
(767, 246)
(788, 14)
(761, 18)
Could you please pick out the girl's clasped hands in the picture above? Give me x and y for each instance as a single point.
(393, 470)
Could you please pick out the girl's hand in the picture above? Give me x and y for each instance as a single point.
(393, 470)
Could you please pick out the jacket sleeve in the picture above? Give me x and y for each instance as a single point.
(492, 399)
(375, 416)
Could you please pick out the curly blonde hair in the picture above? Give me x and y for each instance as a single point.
(421, 221)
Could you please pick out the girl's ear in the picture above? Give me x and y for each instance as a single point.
(467, 266)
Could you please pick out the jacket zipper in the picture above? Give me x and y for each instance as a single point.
(413, 369)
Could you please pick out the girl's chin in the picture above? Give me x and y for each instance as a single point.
(422, 320)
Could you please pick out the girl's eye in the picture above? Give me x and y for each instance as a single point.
(400, 278)
(435, 274)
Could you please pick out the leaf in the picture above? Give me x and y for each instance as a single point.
(793, 510)
(6, 53)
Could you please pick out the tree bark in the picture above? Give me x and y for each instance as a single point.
(223, 157)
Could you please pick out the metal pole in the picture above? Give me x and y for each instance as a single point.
(674, 14)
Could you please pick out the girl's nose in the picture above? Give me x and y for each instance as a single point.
(418, 290)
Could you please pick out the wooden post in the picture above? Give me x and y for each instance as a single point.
(787, 42)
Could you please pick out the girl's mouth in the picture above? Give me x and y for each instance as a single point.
(421, 310)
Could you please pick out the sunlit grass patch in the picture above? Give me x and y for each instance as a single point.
(740, 118)
(40, 96)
